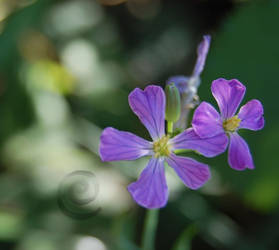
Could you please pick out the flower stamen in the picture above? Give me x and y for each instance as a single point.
(231, 124)
(162, 147)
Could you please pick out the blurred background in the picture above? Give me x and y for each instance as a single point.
(66, 69)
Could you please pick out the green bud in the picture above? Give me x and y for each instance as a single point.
(173, 106)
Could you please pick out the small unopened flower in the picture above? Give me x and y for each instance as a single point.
(188, 85)
(207, 122)
(150, 190)
(173, 105)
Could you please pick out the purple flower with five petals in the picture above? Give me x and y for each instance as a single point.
(207, 122)
(150, 190)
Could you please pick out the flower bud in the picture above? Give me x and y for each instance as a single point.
(173, 106)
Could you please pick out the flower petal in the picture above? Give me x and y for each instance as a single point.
(202, 54)
(151, 190)
(207, 121)
(239, 153)
(208, 147)
(117, 145)
(193, 173)
(251, 115)
(228, 94)
(149, 106)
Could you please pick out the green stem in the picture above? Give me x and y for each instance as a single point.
(180, 151)
(170, 127)
(149, 230)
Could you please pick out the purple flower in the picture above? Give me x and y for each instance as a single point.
(150, 190)
(182, 82)
(207, 122)
(188, 85)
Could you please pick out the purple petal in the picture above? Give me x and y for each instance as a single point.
(251, 115)
(202, 54)
(208, 147)
(151, 190)
(228, 94)
(207, 121)
(239, 153)
(149, 106)
(193, 173)
(181, 82)
(117, 145)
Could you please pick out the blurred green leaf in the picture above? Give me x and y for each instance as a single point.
(184, 240)
(11, 225)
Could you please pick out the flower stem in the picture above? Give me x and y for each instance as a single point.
(149, 230)
(170, 127)
(181, 151)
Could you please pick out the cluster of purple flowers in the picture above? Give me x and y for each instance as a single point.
(209, 135)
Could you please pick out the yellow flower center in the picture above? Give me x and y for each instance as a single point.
(231, 124)
(162, 147)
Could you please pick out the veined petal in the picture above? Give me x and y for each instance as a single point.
(228, 94)
(118, 145)
(193, 173)
(151, 190)
(239, 153)
(251, 115)
(207, 121)
(208, 147)
(202, 54)
(149, 106)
